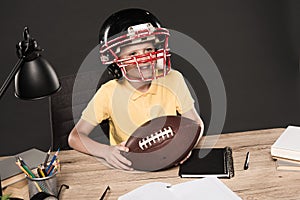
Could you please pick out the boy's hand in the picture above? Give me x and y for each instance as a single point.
(113, 157)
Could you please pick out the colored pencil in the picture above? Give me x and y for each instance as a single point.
(20, 166)
(47, 157)
(24, 165)
(52, 161)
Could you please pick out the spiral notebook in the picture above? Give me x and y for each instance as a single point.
(215, 162)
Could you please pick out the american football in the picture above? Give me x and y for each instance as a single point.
(162, 142)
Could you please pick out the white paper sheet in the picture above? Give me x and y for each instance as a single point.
(205, 188)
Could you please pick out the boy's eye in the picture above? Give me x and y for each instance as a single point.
(149, 49)
(132, 53)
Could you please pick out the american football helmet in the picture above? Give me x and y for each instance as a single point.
(133, 28)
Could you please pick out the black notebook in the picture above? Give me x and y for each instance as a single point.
(217, 162)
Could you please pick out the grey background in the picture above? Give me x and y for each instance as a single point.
(255, 45)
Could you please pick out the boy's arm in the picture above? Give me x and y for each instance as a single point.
(193, 115)
(79, 140)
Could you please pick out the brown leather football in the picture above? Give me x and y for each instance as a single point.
(162, 142)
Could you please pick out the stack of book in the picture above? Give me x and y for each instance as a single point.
(286, 149)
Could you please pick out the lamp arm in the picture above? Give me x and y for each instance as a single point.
(10, 77)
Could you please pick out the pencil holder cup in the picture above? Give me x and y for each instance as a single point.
(46, 184)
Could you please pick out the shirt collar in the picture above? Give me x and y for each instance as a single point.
(137, 94)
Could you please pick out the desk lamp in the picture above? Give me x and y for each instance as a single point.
(34, 76)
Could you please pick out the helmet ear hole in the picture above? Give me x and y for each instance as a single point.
(115, 70)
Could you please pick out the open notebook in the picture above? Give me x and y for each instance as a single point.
(205, 188)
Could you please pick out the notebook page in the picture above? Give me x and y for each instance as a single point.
(205, 188)
(150, 191)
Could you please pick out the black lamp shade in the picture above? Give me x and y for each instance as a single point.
(35, 79)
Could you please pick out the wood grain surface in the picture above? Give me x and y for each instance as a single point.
(88, 176)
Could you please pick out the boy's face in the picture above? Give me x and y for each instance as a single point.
(145, 66)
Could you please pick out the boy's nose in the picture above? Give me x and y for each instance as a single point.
(142, 58)
(140, 52)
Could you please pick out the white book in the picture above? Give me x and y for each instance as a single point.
(287, 165)
(205, 188)
(288, 144)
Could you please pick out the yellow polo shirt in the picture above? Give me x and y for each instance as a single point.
(127, 108)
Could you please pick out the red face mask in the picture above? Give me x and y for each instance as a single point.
(141, 67)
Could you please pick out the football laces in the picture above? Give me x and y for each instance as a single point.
(156, 137)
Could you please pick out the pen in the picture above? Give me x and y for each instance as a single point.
(53, 159)
(47, 157)
(103, 195)
(246, 165)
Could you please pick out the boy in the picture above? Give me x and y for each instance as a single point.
(135, 47)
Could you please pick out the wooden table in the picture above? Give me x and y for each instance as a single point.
(88, 176)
